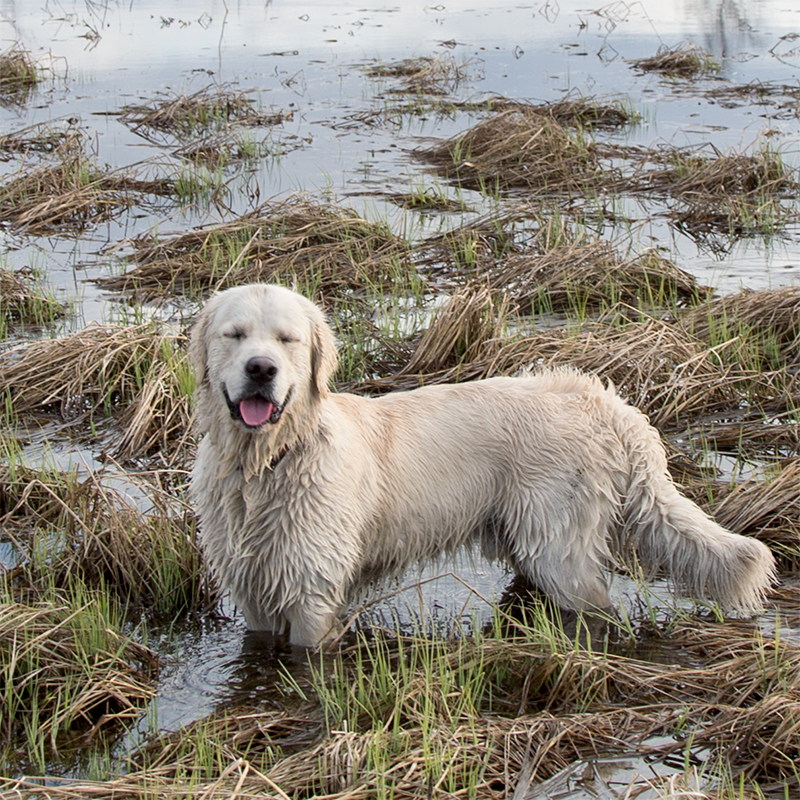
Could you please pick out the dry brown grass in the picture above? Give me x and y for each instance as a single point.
(562, 707)
(519, 148)
(139, 373)
(57, 673)
(682, 61)
(426, 75)
(42, 137)
(96, 537)
(767, 508)
(662, 370)
(18, 76)
(458, 332)
(769, 319)
(581, 274)
(208, 110)
(322, 248)
(71, 192)
(22, 300)
(523, 148)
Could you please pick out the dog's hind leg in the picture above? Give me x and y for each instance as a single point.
(571, 580)
(563, 548)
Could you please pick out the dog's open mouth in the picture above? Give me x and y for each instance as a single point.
(255, 410)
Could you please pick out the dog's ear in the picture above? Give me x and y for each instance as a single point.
(324, 357)
(198, 341)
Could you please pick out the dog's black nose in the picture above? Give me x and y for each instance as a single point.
(261, 368)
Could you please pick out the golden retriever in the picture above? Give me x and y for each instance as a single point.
(303, 493)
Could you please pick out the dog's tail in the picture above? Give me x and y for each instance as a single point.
(669, 533)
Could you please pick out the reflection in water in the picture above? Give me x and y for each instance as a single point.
(728, 29)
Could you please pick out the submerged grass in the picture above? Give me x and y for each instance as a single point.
(44, 137)
(426, 75)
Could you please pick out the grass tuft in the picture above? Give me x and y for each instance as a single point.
(685, 60)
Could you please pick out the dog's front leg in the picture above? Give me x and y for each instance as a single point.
(312, 626)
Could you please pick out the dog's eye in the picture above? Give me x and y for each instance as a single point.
(235, 334)
(287, 338)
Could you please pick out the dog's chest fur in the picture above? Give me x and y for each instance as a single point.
(262, 536)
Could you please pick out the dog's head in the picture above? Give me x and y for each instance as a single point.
(258, 351)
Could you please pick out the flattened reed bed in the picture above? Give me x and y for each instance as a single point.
(706, 173)
(210, 109)
(139, 373)
(71, 192)
(406, 716)
(784, 96)
(518, 148)
(769, 317)
(42, 137)
(765, 507)
(557, 270)
(323, 248)
(62, 666)
(68, 529)
(669, 375)
(22, 300)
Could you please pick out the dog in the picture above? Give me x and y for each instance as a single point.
(303, 494)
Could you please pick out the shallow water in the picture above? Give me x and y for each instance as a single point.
(309, 58)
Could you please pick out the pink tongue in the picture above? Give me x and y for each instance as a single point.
(255, 410)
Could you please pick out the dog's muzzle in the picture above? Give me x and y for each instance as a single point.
(254, 410)
(256, 406)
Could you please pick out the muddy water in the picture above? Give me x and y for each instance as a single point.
(309, 59)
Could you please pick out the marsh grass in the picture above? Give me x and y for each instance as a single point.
(70, 192)
(685, 60)
(69, 530)
(24, 301)
(320, 248)
(139, 374)
(234, 149)
(668, 374)
(769, 321)
(181, 117)
(426, 75)
(766, 507)
(534, 149)
(65, 667)
(43, 137)
(517, 148)
(734, 194)
(458, 332)
(408, 716)
(579, 274)
(19, 76)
